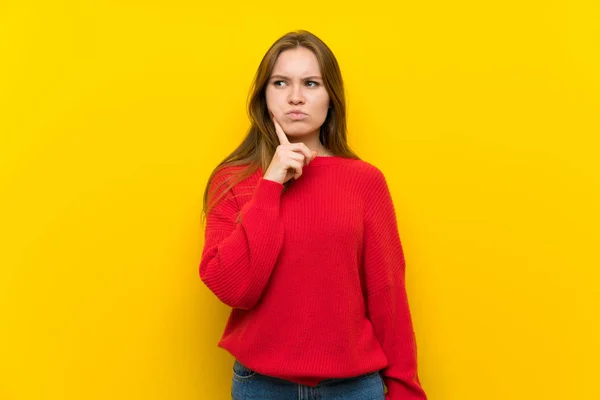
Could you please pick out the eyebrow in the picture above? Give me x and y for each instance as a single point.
(285, 77)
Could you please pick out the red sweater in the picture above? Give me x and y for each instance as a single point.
(314, 275)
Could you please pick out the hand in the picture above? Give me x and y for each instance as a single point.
(289, 158)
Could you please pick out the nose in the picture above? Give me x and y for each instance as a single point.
(296, 96)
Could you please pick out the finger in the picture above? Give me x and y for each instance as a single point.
(294, 155)
(304, 150)
(280, 133)
(297, 166)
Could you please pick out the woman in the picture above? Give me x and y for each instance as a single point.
(301, 241)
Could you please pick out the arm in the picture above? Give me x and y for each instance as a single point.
(238, 258)
(387, 303)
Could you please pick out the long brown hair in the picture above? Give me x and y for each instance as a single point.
(258, 147)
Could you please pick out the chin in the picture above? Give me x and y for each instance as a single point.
(296, 129)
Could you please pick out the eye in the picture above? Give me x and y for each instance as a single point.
(276, 83)
(315, 83)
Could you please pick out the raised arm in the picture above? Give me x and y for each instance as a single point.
(238, 258)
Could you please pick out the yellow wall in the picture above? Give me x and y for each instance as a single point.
(483, 116)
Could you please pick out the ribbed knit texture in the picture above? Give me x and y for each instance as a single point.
(314, 276)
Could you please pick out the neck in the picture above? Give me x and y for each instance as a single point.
(312, 142)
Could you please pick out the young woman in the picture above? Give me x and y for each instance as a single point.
(301, 240)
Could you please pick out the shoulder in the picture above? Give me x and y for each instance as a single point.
(228, 175)
(227, 172)
(367, 172)
(370, 184)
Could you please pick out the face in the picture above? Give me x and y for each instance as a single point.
(296, 85)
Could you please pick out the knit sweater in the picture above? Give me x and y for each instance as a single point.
(315, 276)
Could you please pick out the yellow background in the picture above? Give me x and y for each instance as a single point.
(484, 117)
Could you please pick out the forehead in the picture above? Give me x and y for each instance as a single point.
(296, 62)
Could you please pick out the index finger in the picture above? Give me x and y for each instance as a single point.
(280, 133)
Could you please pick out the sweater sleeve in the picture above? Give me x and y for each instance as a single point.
(387, 303)
(238, 257)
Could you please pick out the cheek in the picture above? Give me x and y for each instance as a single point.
(274, 102)
(268, 98)
(321, 105)
(269, 95)
(322, 98)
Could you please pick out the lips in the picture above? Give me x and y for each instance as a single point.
(296, 115)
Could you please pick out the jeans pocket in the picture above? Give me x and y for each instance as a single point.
(377, 375)
(383, 387)
(241, 372)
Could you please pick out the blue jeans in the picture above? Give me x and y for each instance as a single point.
(250, 385)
